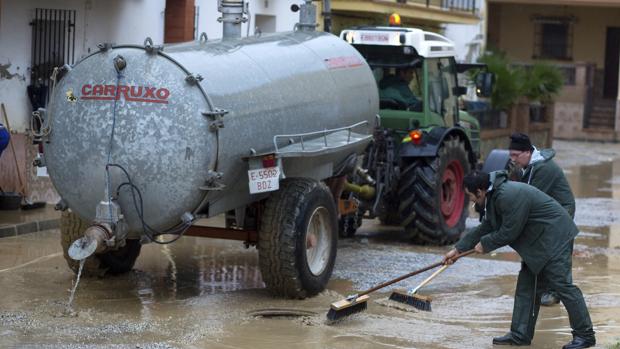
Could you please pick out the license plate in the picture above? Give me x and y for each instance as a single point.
(264, 180)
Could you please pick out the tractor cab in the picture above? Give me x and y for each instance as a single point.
(415, 72)
(423, 145)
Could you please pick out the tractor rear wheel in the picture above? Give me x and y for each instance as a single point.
(118, 261)
(433, 204)
(389, 214)
(297, 239)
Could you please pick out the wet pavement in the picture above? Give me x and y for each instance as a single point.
(204, 293)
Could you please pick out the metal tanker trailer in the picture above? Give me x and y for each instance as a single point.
(141, 141)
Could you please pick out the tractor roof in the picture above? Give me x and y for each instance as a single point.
(427, 44)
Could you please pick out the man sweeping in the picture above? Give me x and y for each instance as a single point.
(542, 233)
(537, 168)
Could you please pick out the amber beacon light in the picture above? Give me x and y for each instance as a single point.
(395, 20)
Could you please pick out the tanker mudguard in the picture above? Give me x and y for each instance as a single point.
(431, 142)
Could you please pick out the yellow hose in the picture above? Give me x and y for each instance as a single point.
(365, 191)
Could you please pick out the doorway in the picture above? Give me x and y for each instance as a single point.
(612, 52)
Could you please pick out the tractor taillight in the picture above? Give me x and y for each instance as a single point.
(416, 136)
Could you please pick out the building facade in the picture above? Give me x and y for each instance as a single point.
(582, 37)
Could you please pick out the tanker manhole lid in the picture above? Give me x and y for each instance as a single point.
(280, 312)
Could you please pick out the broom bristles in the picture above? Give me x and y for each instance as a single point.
(414, 300)
(346, 307)
(335, 315)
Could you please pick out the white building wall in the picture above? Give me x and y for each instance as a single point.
(469, 40)
(117, 21)
(114, 21)
(15, 51)
(123, 22)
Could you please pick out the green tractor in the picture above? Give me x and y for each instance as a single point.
(412, 173)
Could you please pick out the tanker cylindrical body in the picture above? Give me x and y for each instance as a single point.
(158, 116)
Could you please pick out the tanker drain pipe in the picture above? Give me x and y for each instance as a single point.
(232, 17)
(94, 241)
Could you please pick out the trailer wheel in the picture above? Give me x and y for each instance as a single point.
(72, 227)
(298, 238)
(433, 204)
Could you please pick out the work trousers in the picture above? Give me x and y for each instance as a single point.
(556, 275)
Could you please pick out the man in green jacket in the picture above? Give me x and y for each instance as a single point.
(537, 168)
(396, 87)
(542, 233)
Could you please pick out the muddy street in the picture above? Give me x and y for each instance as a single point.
(204, 293)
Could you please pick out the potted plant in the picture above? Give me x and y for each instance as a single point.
(508, 80)
(542, 83)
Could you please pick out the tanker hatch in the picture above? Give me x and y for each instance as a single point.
(233, 12)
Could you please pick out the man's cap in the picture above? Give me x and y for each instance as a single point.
(520, 141)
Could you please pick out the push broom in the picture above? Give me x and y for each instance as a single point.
(412, 298)
(419, 301)
(357, 303)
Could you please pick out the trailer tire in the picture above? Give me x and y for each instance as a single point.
(433, 204)
(300, 214)
(119, 261)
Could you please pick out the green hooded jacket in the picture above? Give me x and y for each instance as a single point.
(393, 87)
(520, 215)
(546, 175)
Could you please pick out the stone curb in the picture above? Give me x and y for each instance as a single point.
(29, 227)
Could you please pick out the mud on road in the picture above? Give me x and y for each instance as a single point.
(202, 293)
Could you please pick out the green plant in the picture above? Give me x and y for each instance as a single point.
(508, 80)
(542, 82)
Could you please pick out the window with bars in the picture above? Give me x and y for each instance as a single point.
(53, 44)
(553, 38)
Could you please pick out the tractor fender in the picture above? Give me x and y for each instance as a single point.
(431, 142)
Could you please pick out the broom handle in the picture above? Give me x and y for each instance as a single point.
(432, 266)
(19, 175)
(428, 279)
